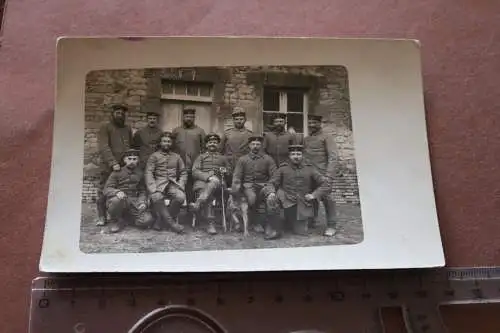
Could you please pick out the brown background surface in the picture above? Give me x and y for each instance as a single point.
(461, 62)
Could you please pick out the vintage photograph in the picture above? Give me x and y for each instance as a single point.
(217, 158)
(235, 154)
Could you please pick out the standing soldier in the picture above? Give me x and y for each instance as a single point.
(320, 150)
(294, 187)
(251, 174)
(234, 142)
(277, 141)
(125, 192)
(114, 139)
(166, 182)
(146, 139)
(189, 140)
(209, 172)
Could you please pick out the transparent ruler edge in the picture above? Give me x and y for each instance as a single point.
(419, 293)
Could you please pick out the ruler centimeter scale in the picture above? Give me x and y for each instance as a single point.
(255, 302)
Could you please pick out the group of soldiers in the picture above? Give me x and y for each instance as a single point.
(147, 177)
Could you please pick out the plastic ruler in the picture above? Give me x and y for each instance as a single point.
(255, 302)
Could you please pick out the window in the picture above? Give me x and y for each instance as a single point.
(187, 91)
(292, 102)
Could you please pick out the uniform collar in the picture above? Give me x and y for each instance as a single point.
(317, 133)
(254, 156)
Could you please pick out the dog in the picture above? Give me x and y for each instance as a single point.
(237, 211)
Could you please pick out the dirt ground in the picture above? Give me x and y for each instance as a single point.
(93, 240)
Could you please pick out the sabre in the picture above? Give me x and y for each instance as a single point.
(224, 222)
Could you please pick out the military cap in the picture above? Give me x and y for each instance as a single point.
(238, 112)
(212, 136)
(152, 113)
(295, 148)
(189, 111)
(119, 106)
(315, 117)
(256, 138)
(167, 135)
(130, 152)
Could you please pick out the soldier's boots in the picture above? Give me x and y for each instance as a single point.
(115, 225)
(211, 228)
(271, 233)
(300, 227)
(166, 218)
(100, 221)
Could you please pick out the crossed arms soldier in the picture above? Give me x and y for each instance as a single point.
(148, 188)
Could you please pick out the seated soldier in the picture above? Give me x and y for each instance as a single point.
(295, 186)
(251, 173)
(209, 171)
(166, 178)
(125, 192)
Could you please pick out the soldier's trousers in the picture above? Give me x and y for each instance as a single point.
(256, 204)
(176, 197)
(101, 199)
(328, 201)
(205, 194)
(125, 209)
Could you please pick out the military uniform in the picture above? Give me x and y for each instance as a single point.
(166, 178)
(146, 140)
(291, 183)
(276, 143)
(234, 142)
(320, 150)
(113, 142)
(251, 174)
(207, 165)
(188, 143)
(133, 205)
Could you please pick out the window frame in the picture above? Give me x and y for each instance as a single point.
(184, 96)
(283, 105)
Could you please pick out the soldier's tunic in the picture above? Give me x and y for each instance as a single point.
(206, 165)
(131, 182)
(291, 183)
(113, 141)
(189, 143)
(276, 145)
(234, 144)
(251, 174)
(320, 150)
(166, 174)
(146, 140)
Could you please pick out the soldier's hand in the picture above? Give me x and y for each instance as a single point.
(142, 206)
(120, 195)
(309, 197)
(214, 179)
(116, 167)
(271, 199)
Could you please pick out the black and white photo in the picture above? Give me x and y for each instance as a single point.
(216, 158)
(221, 154)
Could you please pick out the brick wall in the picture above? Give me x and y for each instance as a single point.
(239, 87)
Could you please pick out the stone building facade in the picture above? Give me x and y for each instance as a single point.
(214, 92)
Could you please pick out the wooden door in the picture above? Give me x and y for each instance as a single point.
(172, 115)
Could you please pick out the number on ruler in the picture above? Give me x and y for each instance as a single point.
(79, 328)
(43, 303)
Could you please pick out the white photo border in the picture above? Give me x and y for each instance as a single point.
(399, 216)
